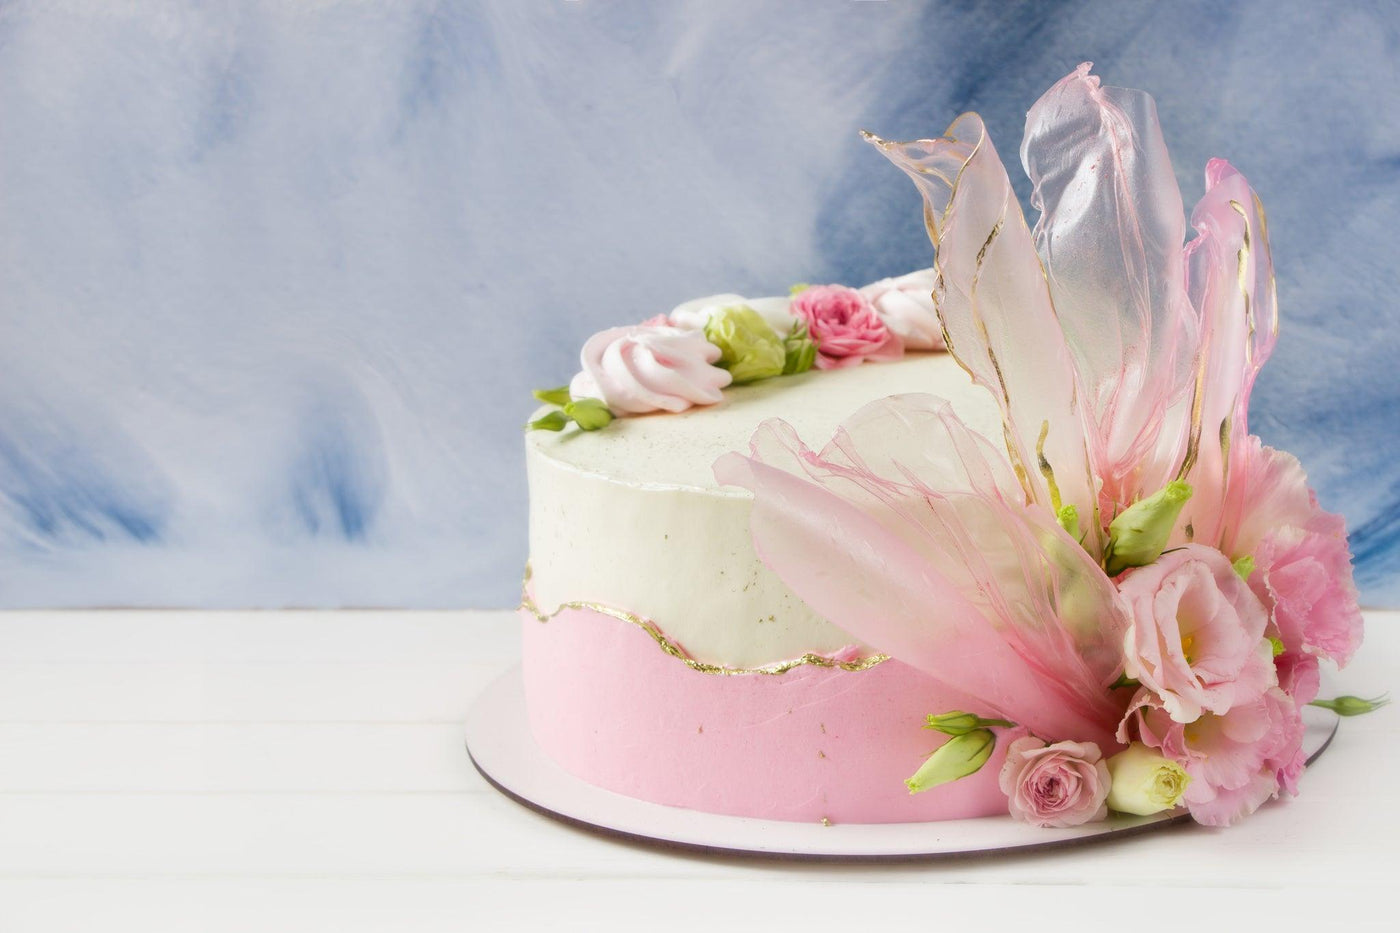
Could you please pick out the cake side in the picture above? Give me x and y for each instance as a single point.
(632, 518)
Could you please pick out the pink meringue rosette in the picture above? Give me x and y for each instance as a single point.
(905, 304)
(649, 367)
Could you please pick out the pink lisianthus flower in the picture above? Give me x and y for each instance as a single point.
(1305, 575)
(1064, 784)
(845, 327)
(1196, 638)
(1237, 760)
(1302, 567)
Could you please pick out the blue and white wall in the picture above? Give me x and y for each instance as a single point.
(276, 279)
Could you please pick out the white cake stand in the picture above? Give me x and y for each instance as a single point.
(501, 746)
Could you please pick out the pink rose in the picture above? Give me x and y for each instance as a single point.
(844, 326)
(1064, 784)
(1236, 760)
(1196, 635)
(906, 306)
(648, 367)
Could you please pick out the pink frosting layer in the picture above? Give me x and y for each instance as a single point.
(612, 708)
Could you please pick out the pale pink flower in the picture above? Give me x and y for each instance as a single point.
(1305, 573)
(1197, 634)
(1064, 784)
(1236, 760)
(648, 367)
(1302, 565)
(845, 327)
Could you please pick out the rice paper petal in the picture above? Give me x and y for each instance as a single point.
(994, 305)
(1230, 282)
(918, 440)
(989, 596)
(1110, 236)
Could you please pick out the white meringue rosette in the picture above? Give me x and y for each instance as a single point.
(696, 313)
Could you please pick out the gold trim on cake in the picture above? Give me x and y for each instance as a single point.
(676, 651)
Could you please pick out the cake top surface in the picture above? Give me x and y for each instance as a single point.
(677, 450)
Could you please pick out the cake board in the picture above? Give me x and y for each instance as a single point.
(502, 747)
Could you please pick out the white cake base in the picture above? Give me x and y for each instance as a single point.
(502, 748)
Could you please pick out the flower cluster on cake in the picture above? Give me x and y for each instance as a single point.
(1136, 591)
(1137, 588)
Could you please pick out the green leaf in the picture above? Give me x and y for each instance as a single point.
(559, 396)
(799, 350)
(554, 421)
(590, 414)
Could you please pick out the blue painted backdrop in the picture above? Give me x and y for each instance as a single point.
(276, 279)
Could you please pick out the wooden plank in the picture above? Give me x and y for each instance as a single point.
(141, 758)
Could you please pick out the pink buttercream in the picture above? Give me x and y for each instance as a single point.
(1064, 784)
(647, 367)
(612, 708)
(845, 327)
(906, 306)
(1197, 633)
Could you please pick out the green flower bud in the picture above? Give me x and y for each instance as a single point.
(959, 723)
(1276, 645)
(799, 350)
(554, 421)
(1244, 566)
(559, 396)
(1144, 782)
(1139, 534)
(1352, 706)
(1068, 517)
(590, 414)
(956, 758)
(748, 347)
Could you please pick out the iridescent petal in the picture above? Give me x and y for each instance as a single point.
(909, 541)
(1230, 281)
(997, 317)
(1110, 236)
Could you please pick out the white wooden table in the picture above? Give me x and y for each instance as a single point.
(305, 771)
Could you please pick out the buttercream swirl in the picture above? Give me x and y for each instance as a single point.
(648, 367)
(905, 304)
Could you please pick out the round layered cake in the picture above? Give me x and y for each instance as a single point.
(664, 661)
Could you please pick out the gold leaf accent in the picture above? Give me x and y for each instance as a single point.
(703, 667)
(1242, 280)
(1045, 468)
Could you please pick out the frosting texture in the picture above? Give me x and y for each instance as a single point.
(648, 367)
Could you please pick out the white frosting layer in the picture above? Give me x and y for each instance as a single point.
(631, 516)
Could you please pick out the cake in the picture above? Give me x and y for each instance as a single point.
(1039, 565)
